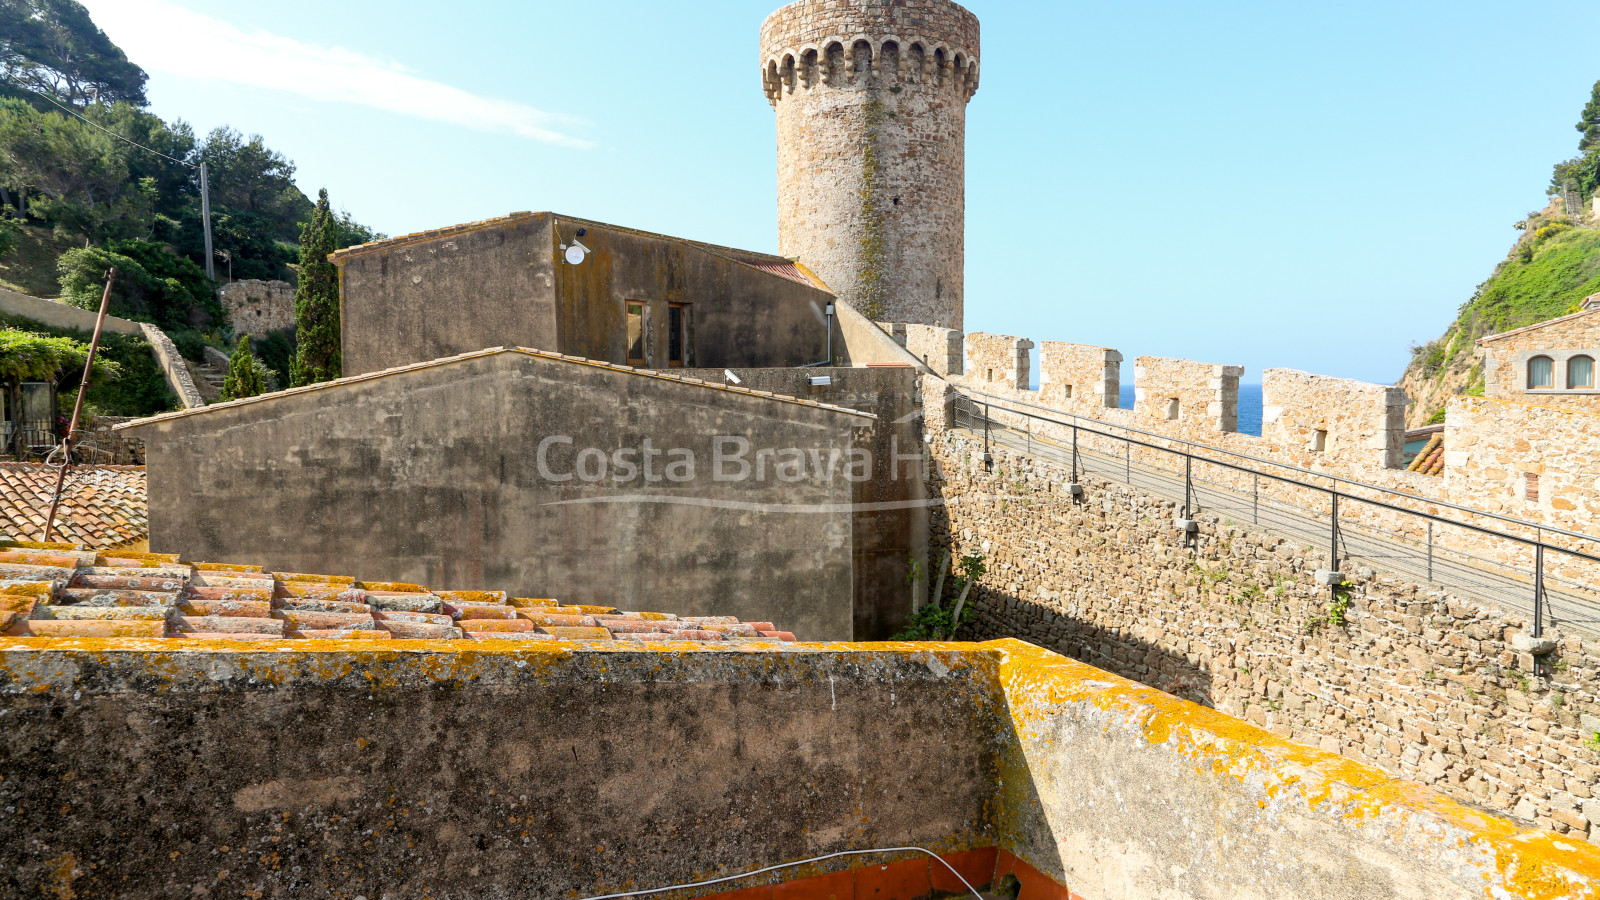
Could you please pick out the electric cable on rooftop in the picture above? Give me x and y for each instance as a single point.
(790, 865)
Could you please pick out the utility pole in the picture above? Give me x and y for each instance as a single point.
(205, 218)
(65, 449)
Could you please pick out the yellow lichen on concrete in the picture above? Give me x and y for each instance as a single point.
(1526, 862)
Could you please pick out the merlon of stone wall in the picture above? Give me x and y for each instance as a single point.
(1201, 398)
(1339, 418)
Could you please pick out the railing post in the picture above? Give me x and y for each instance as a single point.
(1188, 485)
(1538, 590)
(1333, 535)
(1074, 454)
(1255, 497)
(1430, 551)
(1127, 447)
(986, 429)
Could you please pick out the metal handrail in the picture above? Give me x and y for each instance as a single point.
(1350, 481)
(1538, 545)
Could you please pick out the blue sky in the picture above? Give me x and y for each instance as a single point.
(1313, 186)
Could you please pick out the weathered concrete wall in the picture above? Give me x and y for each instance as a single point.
(1195, 398)
(1505, 361)
(1125, 793)
(482, 774)
(871, 105)
(459, 290)
(998, 360)
(1079, 377)
(739, 315)
(434, 475)
(1522, 460)
(1416, 681)
(863, 342)
(257, 307)
(425, 769)
(891, 522)
(59, 315)
(1343, 420)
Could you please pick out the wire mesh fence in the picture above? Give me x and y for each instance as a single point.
(1551, 576)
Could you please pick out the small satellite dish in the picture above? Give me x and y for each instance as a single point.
(576, 253)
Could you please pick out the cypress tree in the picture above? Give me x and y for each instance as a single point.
(316, 301)
(246, 374)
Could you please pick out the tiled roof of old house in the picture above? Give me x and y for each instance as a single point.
(1430, 459)
(63, 591)
(665, 375)
(1590, 307)
(101, 506)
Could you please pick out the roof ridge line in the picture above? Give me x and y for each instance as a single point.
(491, 351)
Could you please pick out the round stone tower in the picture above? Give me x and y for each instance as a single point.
(872, 98)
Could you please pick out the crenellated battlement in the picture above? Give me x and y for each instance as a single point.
(861, 62)
(872, 148)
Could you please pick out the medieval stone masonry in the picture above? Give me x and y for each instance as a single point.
(871, 107)
(1407, 678)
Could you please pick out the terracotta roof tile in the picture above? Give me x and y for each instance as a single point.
(63, 591)
(101, 506)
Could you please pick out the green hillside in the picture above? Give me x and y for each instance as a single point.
(1548, 274)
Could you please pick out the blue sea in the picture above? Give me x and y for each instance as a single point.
(1249, 404)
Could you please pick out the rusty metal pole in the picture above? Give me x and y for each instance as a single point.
(77, 408)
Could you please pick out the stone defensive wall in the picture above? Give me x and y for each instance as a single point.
(1327, 428)
(1390, 673)
(574, 770)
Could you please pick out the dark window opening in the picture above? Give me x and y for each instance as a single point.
(635, 334)
(677, 334)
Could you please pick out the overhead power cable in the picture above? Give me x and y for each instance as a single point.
(205, 187)
(72, 112)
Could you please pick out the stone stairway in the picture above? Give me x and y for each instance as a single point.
(64, 591)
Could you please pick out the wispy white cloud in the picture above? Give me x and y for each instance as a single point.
(164, 37)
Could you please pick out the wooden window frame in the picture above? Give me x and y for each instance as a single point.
(628, 307)
(682, 335)
(1529, 374)
(1580, 387)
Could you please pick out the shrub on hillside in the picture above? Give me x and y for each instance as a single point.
(153, 284)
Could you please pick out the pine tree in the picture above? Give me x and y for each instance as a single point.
(247, 376)
(1589, 125)
(316, 301)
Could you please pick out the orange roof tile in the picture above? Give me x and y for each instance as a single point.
(101, 506)
(62, 590)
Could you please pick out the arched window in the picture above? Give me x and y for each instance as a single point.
(1541, 373)
(1580, 372)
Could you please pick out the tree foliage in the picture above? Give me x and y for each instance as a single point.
(247, 376)
(78, 178)
(97, 188)
(52, 47)
(1583, 170)
(153, 284)
(316, 301)
(26, 356)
